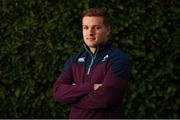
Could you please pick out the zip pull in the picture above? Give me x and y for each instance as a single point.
(92, 60)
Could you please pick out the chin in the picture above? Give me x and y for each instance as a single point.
(90, 45)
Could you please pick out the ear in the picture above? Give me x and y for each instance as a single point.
(108, 30)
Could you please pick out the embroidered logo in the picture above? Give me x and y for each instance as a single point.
(82, 59)
(105, 58)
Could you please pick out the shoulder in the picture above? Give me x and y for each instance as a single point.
(117, 55)
(72, 59)
(120, 63)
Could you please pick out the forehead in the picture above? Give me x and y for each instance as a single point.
(93, 20)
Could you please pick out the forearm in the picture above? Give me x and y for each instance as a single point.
(67, 93)
(103, 97)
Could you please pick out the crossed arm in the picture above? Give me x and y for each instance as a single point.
(87, 95)
(95, 86)
(66, 91)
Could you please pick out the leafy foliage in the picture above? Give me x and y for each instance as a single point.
(37, 37)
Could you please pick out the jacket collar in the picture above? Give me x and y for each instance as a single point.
(100, 48)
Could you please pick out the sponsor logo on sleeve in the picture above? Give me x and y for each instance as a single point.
(105, 58)
(81, 59)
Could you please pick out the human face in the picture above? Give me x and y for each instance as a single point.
(94, 31)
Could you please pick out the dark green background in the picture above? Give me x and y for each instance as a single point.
(38, 36)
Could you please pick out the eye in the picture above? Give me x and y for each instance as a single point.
(97, 27)
(85, 27)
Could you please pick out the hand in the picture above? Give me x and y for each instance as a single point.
(96, 86)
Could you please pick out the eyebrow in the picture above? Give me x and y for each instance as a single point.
(92, 25)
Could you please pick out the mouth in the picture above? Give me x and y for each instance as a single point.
(90, 38)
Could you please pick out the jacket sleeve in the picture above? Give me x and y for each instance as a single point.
(113, 87)
(63, 89)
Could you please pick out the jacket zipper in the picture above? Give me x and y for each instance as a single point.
(92, 59)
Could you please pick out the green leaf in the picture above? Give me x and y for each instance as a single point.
(17, 92)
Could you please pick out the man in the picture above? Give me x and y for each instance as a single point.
(94, 81)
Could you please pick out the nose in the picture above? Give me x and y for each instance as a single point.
(91, 31)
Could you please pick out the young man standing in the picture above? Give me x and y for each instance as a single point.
(95, 80)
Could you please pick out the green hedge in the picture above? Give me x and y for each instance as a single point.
(37, 37)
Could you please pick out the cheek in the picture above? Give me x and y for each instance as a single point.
(101, 35)
(84, 33)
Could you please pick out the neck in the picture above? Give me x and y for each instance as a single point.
(92, 50)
